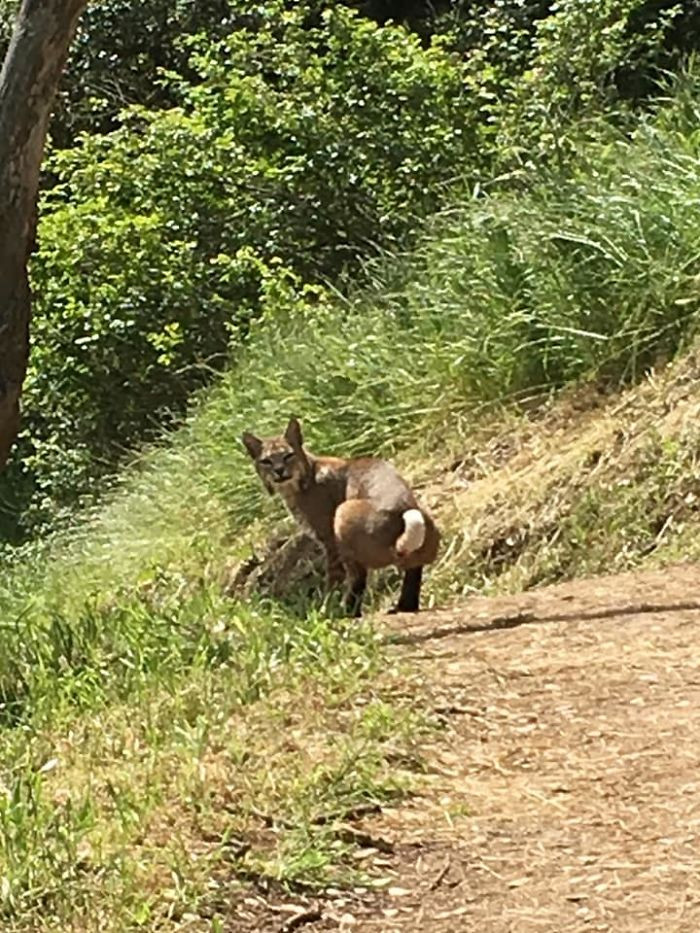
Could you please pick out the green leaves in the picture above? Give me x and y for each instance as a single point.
(302, 143)
(294, 141)
(580, 52)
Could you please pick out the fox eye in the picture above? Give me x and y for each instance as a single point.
(289, 455)
(265, 461)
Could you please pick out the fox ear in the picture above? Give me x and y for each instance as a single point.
(293, 434)
(294, 437)
(252, 444)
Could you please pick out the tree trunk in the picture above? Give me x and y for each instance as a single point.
(28, 81)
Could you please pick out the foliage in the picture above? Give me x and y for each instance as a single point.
(590, 273)
(499, 31)
(570, 82)
(299, 148)
(507, 295)
(8, 10)
(119, 52)
(122, 49)
(539, 70)
(639, 77)
(297, 140)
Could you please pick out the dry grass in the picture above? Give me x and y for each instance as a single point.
(582, 484)
(586, 484)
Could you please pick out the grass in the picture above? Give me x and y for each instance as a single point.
(160, 743)
(591, 484)
(150, 767)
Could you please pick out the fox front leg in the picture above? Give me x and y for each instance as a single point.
(357, 584)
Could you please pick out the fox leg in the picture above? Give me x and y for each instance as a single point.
(409, 600)
(357, 584)
(335, 568)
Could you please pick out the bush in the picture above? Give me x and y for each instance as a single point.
(301, 143)
(299, 147)
(117, 55)
(580, 51)
(582, 275)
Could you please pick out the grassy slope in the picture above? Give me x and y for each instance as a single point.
(592, 483)
(148, 721)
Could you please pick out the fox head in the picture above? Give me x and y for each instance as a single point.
(281, 461)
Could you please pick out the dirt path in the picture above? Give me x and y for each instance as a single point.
(564, 792)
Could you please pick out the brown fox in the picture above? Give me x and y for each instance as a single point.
(363, 513)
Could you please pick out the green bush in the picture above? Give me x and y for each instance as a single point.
(299, 146)
(579, 53)
(117, 55)
(508, 294)
(306, 140)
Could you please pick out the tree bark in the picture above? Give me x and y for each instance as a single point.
(28, 81)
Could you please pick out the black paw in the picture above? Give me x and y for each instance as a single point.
(399, 608)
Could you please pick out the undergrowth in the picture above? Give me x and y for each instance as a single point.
(509, 296)
(159, 751)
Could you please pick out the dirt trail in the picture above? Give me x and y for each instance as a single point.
(564, 791)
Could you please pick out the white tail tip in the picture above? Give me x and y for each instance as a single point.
(414, 532)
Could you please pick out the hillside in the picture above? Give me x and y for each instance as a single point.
(557, 787)
(589, 482)
(189, 753)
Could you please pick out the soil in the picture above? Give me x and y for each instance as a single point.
(562, 792)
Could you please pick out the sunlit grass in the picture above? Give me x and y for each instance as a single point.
(141, 779)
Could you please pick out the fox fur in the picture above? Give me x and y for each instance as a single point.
(361, 510)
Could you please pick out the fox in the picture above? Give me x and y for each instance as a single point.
(361, 510)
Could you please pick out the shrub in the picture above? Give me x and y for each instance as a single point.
(580, 50)
(303, 144)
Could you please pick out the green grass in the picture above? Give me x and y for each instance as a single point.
(164, 747)
(147, 721)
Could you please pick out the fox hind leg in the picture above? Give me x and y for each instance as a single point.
(409, 600)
